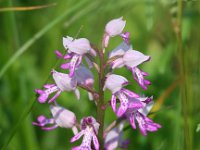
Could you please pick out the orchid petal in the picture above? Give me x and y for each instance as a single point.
(95, 142)
(113, 103)
(77, 136)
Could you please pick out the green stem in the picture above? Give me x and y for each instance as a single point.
(100, 103)
(183, 73)
(14, 26)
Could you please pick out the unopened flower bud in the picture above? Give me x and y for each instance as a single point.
(115, 27)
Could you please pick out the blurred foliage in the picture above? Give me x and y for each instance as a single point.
(174, 72)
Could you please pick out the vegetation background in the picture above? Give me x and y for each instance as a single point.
(168, 30)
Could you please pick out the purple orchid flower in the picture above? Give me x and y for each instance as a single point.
(89, 129)
(115, 84)
(61, 118)
(145, 124)
(131, 59)
(114, 28)
(62, 83)
(77, 48)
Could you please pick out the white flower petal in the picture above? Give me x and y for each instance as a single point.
(133, 58)
(115, 82)
(63, 81)
(80, 46)
(115, 27)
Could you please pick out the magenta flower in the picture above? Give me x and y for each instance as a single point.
(61, 118)
(77, 48)
(115, 84)
(114, 138)
(89, 129)
(145, 124)
(63, 83)
(113, 28)
(131, 59)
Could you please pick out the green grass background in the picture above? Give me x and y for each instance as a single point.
(27, 43)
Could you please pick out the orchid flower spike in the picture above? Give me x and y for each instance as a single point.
(77, 48)
(113, 28)
(61, 118)
(89, 129)
(145, 124)
(115, 84)
(114, 138)
(62, 83)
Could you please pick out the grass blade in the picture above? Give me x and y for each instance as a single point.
(39, 34)
(5, 9)
(33, 101)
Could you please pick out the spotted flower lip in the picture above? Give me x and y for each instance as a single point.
(89, 129)
(61, 118)
(115, 84)
(62, 83)
(138, 76)
(140, 115)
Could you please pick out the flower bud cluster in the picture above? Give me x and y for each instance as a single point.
(132, 107)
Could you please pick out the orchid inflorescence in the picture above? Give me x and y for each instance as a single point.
(132, 106)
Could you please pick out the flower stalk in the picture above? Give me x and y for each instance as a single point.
(100, 103)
